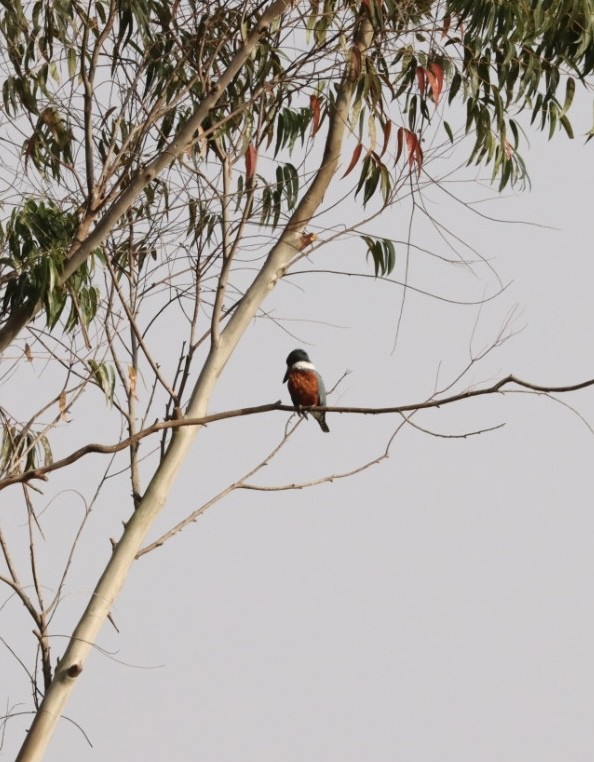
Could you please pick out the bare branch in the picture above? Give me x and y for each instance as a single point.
(499, 386)
(239, 484)
(13, 581)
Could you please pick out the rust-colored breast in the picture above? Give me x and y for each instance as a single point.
(303, 387)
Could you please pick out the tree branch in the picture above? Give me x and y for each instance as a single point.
(185, 137)
(499, 386)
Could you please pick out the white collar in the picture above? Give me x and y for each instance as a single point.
(303, 365)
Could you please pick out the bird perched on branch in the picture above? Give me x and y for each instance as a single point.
(305, 385)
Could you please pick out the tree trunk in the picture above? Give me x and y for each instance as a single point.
(124, 553)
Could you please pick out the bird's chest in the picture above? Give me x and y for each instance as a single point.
(303, 387)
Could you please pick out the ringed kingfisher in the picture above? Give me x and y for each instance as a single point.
(305, 385)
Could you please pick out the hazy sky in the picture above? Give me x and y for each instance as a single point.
(439, 606)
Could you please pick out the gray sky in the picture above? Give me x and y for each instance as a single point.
(438, 606)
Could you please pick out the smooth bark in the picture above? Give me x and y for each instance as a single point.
(84, 636)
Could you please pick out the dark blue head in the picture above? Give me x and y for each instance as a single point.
(297, 355)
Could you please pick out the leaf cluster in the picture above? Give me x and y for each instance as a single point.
(22, 449)
(95, 92)
(34, 243)
(518, 56)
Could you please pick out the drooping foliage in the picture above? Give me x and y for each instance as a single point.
(92, 93)
(157, 153)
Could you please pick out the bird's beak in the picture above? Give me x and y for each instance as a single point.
(286, 376)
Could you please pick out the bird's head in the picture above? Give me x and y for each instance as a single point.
(297, 355)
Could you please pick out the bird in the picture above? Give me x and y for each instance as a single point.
(305, 385)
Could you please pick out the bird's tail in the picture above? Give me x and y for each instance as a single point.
(321, 419)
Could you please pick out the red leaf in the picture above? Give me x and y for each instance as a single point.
(446, 26)
(354, 159)
(251, 156)
(314, 104)
(387, 133)
(411, 145)
(421, 79)
(435, 77)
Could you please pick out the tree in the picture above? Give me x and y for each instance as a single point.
(171, 165)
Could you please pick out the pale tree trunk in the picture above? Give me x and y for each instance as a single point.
(124, 553)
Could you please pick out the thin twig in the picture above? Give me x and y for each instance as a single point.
(41, 472)
(14, 583)
(239, 484)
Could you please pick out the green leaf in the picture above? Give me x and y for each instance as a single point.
(566, 124)
(569, 93)
(383, 253)
(371, 183)
(454, 87)
(104, 375)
